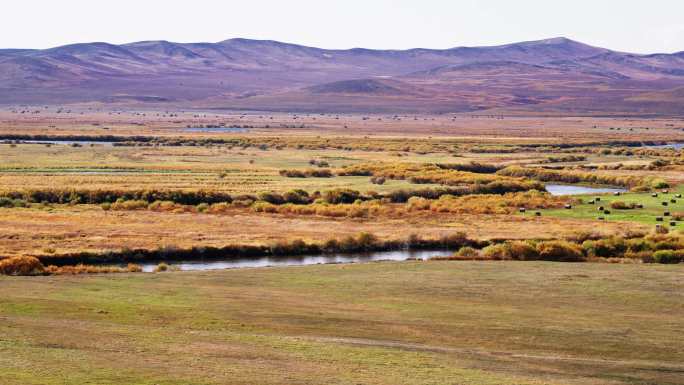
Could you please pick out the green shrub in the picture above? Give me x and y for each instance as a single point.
(467, 252)
(455, 240)
(121, 204)
(161, 267)
(497, 251)
(605, 248)
(338, 196)
(659, 183)
(271, 197)
(522, 251)
(298, 197)
(202, 207)
(10, 203)
(668, 256)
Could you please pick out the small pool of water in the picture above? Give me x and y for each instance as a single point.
(70, 142)
(215, 129)
(675, 146)
(397, 255)
(564, 189)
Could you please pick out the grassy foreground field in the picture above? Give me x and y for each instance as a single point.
(377, 323)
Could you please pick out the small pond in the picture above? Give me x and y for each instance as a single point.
(564, 189)
(397, 255)
(675, 146)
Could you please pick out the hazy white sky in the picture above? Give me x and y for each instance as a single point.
(626, 25)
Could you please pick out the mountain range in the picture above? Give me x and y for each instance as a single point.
(551, 76)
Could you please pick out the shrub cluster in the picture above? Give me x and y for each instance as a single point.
(653, 248)
(489, 204)
(63, 196)
(564, 176)
(9, 202)
(21, 266)
(310, 173)
(91, 269)
(476, 167)
(445, 174)
(564, 159)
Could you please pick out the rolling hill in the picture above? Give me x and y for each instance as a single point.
(552, 75)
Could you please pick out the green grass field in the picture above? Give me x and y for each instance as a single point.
(652, 208)
(378, 323)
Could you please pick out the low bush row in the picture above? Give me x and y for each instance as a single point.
(176, 200)
(489, 204)
(310, 173)
(445, 174)
(653, 248)
(75, 196)
(567, 176)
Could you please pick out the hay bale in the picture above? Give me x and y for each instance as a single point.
(601, 208)
(659, 219)
(673, 223)
(654, 195)
(665, 203)
(568, 207)
(537, 213)
(597, 199)
(666, 214)
(522, 210)
(617, 193)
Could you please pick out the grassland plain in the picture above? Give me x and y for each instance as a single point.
(478, 128)
(437, 322)
(377, 323)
